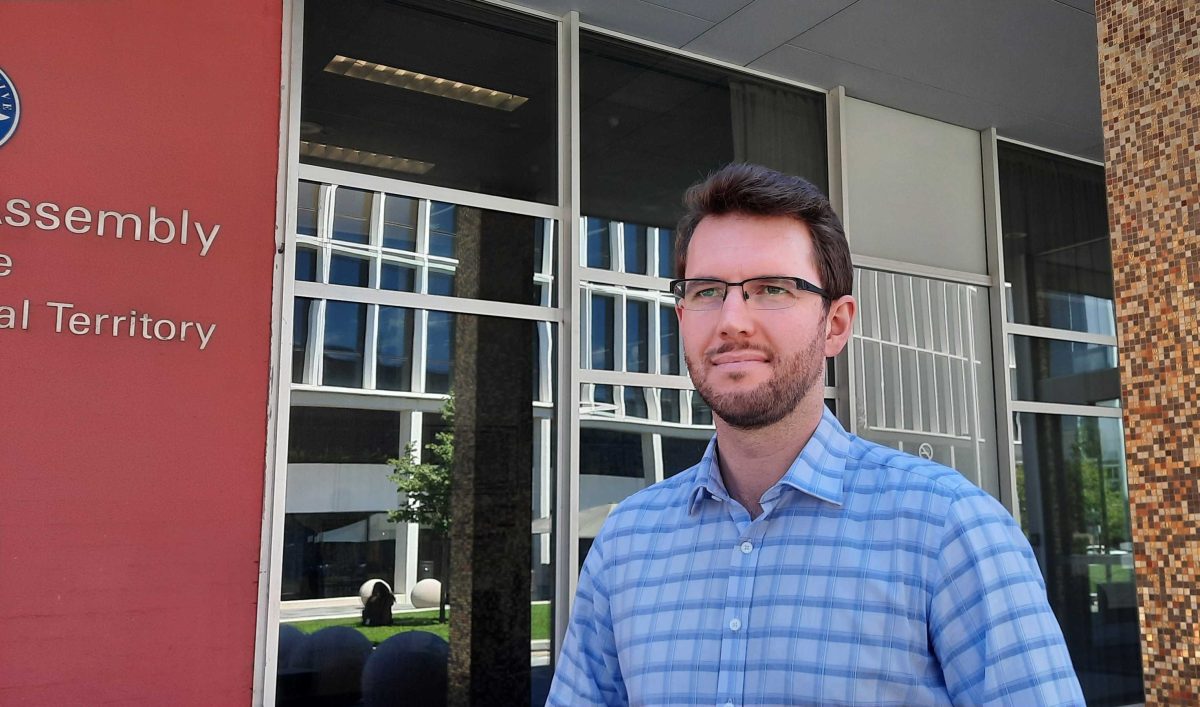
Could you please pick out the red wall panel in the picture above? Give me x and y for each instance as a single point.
(131, 469)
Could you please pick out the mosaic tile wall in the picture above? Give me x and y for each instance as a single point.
(1150, 99)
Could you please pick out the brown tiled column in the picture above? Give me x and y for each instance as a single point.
(1150, 96)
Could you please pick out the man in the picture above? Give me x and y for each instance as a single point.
(796, 563)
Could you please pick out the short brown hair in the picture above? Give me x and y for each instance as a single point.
(755, 190)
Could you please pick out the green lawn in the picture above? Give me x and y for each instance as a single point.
(422, 621)
(1097, 575)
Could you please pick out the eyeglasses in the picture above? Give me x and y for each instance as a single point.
(705, 294)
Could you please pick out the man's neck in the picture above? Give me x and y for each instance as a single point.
(752, 461)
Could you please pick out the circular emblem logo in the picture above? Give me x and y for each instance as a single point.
(925, 451)
(10, 108)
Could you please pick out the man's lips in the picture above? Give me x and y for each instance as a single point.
(741, 356)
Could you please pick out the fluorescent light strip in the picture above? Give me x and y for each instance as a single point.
(424, 83)
(363, 157)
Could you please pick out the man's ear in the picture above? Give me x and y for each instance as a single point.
(839, 323)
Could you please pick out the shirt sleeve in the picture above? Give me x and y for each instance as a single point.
(588, 672)
(991, 626)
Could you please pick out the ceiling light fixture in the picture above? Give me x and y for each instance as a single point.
(424, 83)
(363, 157)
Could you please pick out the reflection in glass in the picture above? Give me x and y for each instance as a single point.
(599, 245)
(637, 336)
(393, 361)
(668, 341)
(345, 327)
(306, 264)
(635, 402)
(602, 331)
(302, 308)
(401, 278)
(331, 554)
(308, 197)
(347, 270)
(439, 356)
(681, 453)
(635, 248)
(1057, 257)
(325, 435)
(439, 137)
(400, 223)
(653, 123)
(351, 215)
(1053, 371)
(1074, 500)
(666, 253)
(441, 283)
(670, 405)
(701, 412)
(442, 229)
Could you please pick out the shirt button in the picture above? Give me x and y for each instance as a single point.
(747, 547)
(735, 624)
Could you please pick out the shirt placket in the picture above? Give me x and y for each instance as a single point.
(735, 628)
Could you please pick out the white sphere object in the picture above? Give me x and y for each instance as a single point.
(426, 594)
(364, 592)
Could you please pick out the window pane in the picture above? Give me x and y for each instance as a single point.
(599, 244)
(668, 341)
(666, 253)
(653, 123)
(670, 405)
(306, 264)
(347, 270)
(1074, 500)
(352, 215)
(1052, 371)
(635, 402)
(496, 132)
(393, 367)
(402, 278)
(637, 336)
(321, 435)
(681, 453)
(1057, 255)
(441, 283)
(610, 453)
(439, 353)
(330, 555)
(635, 248)
(603, 328)
(308, 197)
(300, 325)
(701, 412)
(345, 328)
(400, 223)
(442, 229)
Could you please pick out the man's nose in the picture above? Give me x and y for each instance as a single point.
(737, 318)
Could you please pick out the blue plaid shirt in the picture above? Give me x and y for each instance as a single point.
(871, 577)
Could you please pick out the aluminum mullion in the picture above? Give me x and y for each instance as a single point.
(1064, 409)
(645, 380)
(1040, 332)
(625, 279)
(416, 300)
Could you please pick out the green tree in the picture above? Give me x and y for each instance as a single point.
(425, 489)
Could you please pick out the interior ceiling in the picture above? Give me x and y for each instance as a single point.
(1027, 67)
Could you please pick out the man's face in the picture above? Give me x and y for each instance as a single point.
(754, 367)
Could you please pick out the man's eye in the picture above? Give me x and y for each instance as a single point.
(707, 292)
(773, 290)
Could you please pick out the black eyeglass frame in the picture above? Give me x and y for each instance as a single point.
(676, 286)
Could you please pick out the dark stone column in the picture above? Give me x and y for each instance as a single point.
(491, 543)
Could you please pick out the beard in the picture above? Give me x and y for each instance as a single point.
(772, 400)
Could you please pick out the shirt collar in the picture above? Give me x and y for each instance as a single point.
(817, 471)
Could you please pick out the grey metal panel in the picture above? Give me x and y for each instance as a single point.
(711, 10)
(914, 186)
(1036, 54)
(762, 26)
(636, 17)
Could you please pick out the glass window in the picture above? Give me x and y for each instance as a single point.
(635, 248)
(668, 341)
(454, 95)
(666, 253)
(653, 123)
(439, 353)
(604, 394)
(302, 309)
(1053, 371)
(400, 223)
(635, 402)
(441, 283)
(348, 270)
(599, 244)
(402, 278)
(345, 328)
(321, 435)
(637, 336)
(610, 453)
(442, 228)
(330, 555)
(670, 405)
(701, 412)
(393, 360)
(682, 453)
(1057, 255)
(306, 264)
(352, 215)
(1074, 500)
(308, 197)
(602, 331)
